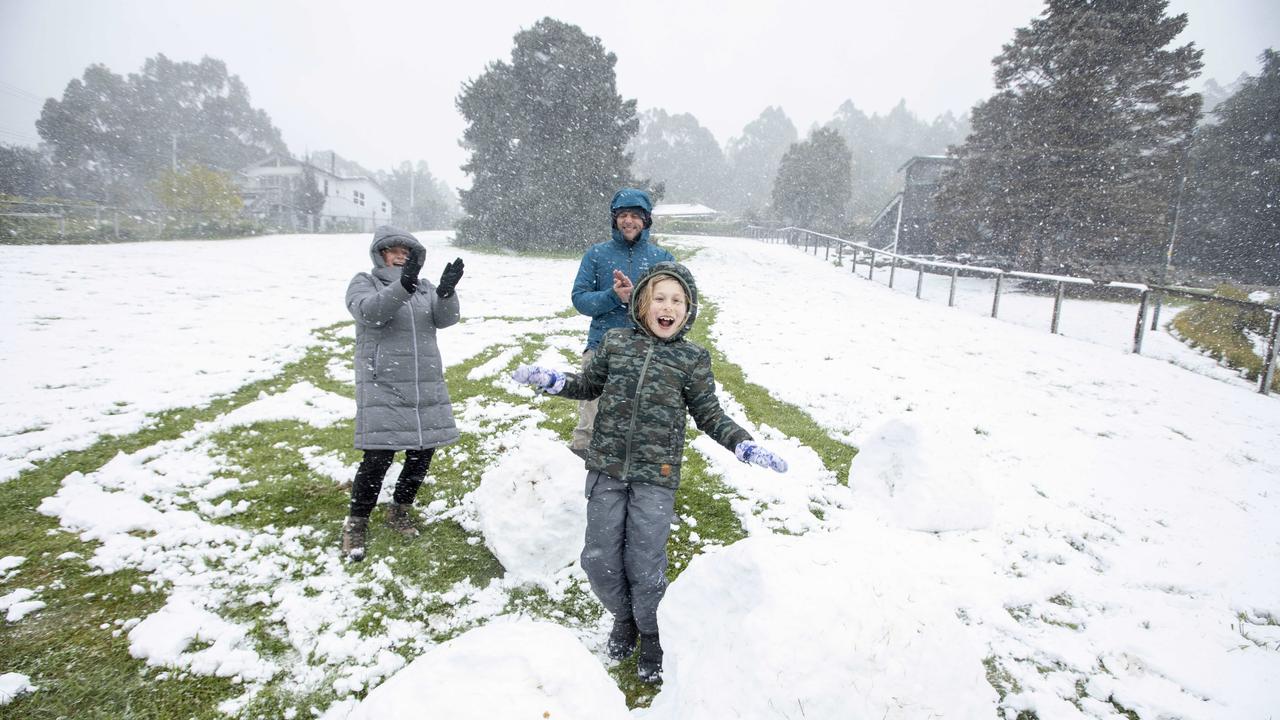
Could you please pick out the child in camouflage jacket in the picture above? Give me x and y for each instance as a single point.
(648, 377)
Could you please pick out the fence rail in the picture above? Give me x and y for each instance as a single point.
(809, 241)
(29, 221)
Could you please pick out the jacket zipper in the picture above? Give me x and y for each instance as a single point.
(417, 387)
(635, 411)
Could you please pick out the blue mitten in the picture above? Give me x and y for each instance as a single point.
(748, 451)
(542, 378)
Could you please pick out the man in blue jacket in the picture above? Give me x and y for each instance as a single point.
(602, 288)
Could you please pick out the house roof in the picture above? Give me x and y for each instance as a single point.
(279, 160)
(936, 159)
(682, 210)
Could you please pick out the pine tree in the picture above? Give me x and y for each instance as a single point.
(683, 155)
(308, 198)
(433, 205)
(812, 186)
(753, 159)
(111, 137)
(546, 134)
(1231, 219)
(882, 143)
(1079, 152)
(24, 172)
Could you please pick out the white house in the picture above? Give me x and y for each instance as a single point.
(685, 211)
(270, 186)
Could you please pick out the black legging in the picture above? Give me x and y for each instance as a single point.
(368, 482)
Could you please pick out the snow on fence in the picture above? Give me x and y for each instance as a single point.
(28, 221)
(809, 240)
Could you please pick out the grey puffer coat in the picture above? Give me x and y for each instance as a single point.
(401, 399)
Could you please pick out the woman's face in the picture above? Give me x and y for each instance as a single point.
(395, 256)
(668, 308)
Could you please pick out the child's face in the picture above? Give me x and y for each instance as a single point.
(668, 308)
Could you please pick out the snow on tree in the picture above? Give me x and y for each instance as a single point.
(426, 202)
(880, 144)
(678, 151)
(812, 186)
(546, 133)
(1231, 220)
(1078, 154)
(206, 193)
(754, 156)
(111, 137)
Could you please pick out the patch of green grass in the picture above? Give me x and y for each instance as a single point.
(552, 254)
(83, 671)
(1219, 330)
(763, 408)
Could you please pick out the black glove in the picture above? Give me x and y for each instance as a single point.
(449, 278)
(409, 271)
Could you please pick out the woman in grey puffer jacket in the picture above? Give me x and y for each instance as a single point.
(401, 399)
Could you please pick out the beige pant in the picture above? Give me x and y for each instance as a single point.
(586, 413)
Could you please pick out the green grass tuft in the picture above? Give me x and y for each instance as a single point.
(1219, 330)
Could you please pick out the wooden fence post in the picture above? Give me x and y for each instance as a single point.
(1140, 329)
(1057, 310)
(1269, 368)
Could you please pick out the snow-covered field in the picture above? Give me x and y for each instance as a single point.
(1084, 528)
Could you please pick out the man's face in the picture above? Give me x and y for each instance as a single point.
(395, 256)
(630, 224)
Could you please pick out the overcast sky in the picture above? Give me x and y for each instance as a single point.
(376, 81)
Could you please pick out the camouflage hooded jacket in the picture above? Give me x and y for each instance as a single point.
(646, 387)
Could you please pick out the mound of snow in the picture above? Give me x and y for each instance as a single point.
(824, 626)
(532, 510)
(920, 478)
(501, 670)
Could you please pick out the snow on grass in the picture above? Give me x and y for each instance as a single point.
(98, 336)
(1034, 523)
(14, 684)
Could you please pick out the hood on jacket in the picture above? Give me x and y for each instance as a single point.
(631, 198)
(385, 237)
(666, 269)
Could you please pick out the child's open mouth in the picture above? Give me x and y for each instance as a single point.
(665, 322)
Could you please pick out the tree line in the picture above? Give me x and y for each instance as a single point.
(1087, 153)
(170, 137)
(1091, 150)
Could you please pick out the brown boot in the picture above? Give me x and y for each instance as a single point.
(353, 538)
(400, 518)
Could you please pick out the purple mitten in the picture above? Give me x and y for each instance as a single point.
(542, 378)
(748, 451)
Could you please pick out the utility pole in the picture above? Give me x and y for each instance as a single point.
(1173, 234)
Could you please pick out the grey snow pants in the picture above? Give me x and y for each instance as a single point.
(625, 554)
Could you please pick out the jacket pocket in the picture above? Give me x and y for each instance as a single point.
(377, 359)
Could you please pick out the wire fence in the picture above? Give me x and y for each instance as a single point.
(1148, 297)
(30, 222)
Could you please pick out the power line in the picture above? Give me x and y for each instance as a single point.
(19, 136)
(15, 91)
